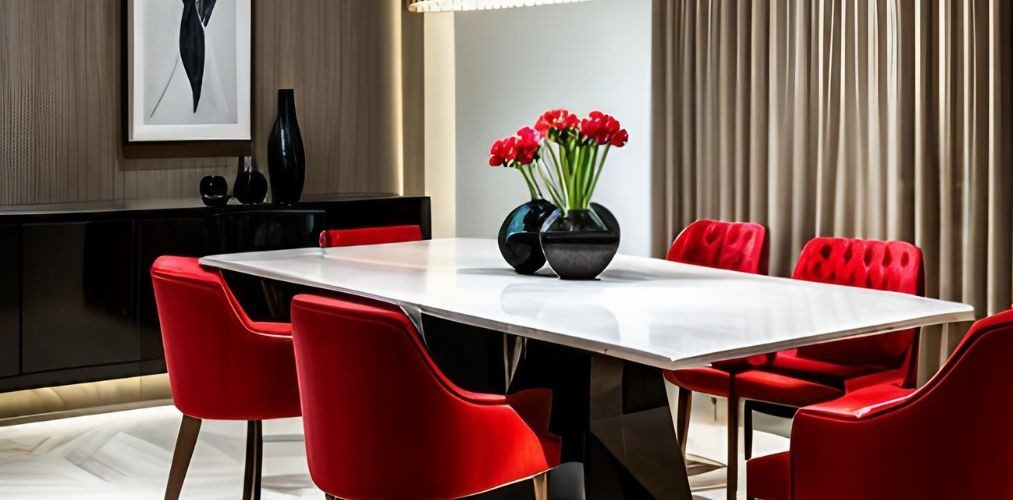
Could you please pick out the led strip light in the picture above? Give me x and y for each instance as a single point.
(463, 5)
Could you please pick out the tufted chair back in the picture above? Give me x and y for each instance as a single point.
(894, 266)
(735, 246)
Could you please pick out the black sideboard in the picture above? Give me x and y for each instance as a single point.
(76, 303)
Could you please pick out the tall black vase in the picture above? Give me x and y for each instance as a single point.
(286, 161)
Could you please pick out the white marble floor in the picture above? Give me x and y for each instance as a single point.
(126, 455)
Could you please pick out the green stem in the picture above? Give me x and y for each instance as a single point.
(571, 179)
(561, 173)
(581, 175)
(550, 159)
(586, 187)
(600, 169)
(532, 187)
(548, 185)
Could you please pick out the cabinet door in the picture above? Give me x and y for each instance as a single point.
(10, 300)
(157, 237)
(78, 301)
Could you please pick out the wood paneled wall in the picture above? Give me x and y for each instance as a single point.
(61, 124)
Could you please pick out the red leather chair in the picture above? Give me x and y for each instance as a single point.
(221, 364)
(369, 236)
(950, 439)
(799, 377)
(822, 372)
(382, 421)
(735, 246)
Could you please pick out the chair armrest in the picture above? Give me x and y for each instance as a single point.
(863, 403)
(479, 398)
(269, 328)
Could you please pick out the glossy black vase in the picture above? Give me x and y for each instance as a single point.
(518, 236)
(579, 245)
(251, 185)
(286, 161)
(214, 191)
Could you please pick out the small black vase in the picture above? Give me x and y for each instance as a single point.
(578, 245)
(518, 236)
(286, 161)
(214, 191)
(250, 186)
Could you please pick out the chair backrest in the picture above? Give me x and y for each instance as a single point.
(894, 266)
(219, 368)
(382, 421)
(952, 438)
(735, 246)
(369, 236)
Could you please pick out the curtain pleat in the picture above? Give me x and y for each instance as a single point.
(887, 119)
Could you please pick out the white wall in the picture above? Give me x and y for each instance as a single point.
(513, 64)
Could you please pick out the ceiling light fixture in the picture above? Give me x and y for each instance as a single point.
(462, 5)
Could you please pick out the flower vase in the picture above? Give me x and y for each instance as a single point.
(518, 236)
(578, 245)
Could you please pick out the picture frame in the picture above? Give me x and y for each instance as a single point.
(189, 70)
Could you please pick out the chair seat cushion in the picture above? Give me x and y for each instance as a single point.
(761, 385)
(825, 372)
(706, 379)
(714, 379)
(769, 477)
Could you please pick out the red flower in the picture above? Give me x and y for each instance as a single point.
(620, 139)
(527, 143)
(503, 152)
(604, 129)
(558, 120)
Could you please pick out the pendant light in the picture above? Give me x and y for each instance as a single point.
(462, 5)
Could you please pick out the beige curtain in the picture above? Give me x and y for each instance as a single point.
(886, 119)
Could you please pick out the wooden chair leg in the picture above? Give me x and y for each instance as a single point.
(186, 440)
(683, 417)
(747, 428)
(254, 459)
(733, 444)
(541, 486)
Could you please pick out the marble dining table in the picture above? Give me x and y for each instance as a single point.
(647, 311)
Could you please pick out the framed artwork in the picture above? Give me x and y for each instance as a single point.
(189, 70)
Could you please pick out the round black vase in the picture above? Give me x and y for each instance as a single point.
(286, 160)
(214, 191)
(251, 186)
(518, 236)
(578, 245)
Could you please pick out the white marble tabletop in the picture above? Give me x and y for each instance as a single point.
(651, 311)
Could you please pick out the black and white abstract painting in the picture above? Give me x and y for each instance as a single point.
(189, 70)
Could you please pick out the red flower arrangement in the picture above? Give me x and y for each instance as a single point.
(519, 152)
(567, 153)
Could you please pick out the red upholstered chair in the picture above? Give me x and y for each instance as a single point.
(950, 439)
(221, 364)
(821, 372)
(735, 246)
(382, 421)
(799, 377)
(369, 236)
